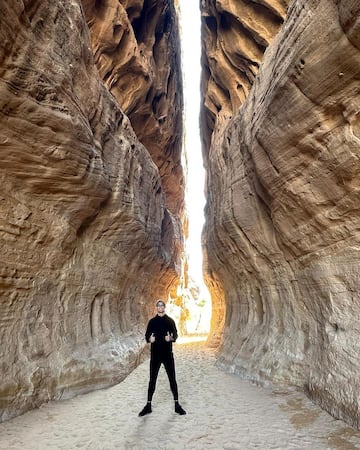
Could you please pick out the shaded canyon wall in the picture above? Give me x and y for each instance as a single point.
(235, 36)
(90, 222)
(136, 49)
(282, 231)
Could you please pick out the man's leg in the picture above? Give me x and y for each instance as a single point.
(169, 365)
(154, 370)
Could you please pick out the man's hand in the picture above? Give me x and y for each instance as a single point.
(169, 337)
(152, 338)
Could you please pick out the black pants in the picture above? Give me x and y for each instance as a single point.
(169, 364)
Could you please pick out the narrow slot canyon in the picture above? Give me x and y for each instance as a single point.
(98, 179)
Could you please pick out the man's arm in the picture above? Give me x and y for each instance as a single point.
(149, 332)
(173, 331)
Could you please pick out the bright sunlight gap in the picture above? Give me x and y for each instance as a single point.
(196, 298)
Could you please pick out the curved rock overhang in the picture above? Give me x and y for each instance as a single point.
(90, 222)
(282, 223)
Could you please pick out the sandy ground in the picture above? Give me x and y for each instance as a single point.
(224, 412)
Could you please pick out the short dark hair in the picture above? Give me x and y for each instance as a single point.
(160, 302)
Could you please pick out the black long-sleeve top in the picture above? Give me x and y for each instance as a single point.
(160, 326)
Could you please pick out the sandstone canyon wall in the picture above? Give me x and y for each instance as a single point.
(90, 221)
(136, 49)
(282, 232)
(235, 35)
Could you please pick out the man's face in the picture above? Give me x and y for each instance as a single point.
(160, 306)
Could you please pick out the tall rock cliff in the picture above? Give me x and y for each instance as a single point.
(282, 233)
(136, 49)
(235, 35)
(90, 222)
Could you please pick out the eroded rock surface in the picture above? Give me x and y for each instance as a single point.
(87, 241)
(282, 234)
(136, 48)
(235, 34)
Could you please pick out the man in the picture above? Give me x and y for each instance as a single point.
(161, 332)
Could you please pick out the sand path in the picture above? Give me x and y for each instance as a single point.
(224, 412)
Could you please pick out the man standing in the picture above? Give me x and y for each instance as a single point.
(161, 332)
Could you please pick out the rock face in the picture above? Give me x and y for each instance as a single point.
(87, 240)
(282, 235)
(235, 35)
(136, 48)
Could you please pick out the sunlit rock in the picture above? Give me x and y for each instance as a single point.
(282, 236)
(87, 240)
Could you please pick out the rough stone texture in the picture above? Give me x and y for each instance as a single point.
(282, 232)
(86, 239)
(235, 34)
(136, 48)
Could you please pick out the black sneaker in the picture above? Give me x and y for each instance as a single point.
(146, 410)
(179, 409)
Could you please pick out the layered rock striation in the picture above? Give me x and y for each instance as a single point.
(234, 38)
(282, 232)
(87, 236)
(136, 48)
(235, 35)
